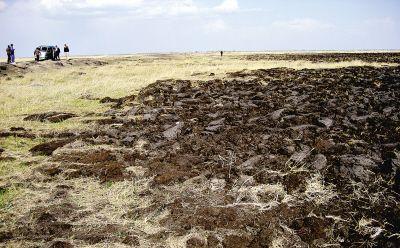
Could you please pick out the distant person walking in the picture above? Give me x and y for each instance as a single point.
(57, 53)
(37, 54)
(8, 51)
(222, 53)
(66, 51)
(12, 53)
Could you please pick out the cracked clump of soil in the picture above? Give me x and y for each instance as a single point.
(265, 158)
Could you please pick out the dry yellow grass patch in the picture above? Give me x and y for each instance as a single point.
(318, 191)
(109, 202)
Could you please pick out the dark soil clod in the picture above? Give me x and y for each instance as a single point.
(53, 117)
(46, 149)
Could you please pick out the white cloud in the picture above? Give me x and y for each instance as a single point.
(3, 5)
(128, 8)
(187, 6)
(89, 4)
(215, 26)
(123, 9)
(227, 6)
(302, 25)
(168, 7)
(136, 8)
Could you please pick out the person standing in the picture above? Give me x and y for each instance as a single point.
(66, 51)
(12, 51)
(57, 53)
(8, 51)
(222, 53)
(37, 54)
(53, 53)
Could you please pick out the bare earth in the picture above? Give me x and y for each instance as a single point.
(251, 150)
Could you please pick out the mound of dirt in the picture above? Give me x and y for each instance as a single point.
(307, 134)
(265, 158)
(60, 244)
(231, 130)
(7, 70)
(107, 165)
(20, 68)
(53, 117)
(117, 102)
(48, 148)
(17, 133)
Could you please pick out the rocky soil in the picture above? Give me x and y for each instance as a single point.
(18, 70)
(393, 57)
(265, 158)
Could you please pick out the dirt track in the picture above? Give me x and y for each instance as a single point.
(264, 158)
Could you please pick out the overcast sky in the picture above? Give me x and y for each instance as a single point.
(132, 26)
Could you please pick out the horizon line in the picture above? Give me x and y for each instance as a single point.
(305, 51)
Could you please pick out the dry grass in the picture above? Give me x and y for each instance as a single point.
(17, 157)
(264, 196)
(15, 165)
(18, 145)
(6, 196)
(317, 191)
(12, 167)
(108, 202)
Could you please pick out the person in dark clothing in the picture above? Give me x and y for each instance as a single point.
(57, 53)
(66, 51)
(52, 53)
(8, 51)
(12, 51)
(37, 54)
(222, 53)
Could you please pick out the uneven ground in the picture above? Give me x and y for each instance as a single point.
(107, 152)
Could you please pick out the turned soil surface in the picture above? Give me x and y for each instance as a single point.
(261, 158)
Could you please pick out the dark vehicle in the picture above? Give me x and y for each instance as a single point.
(47, 52)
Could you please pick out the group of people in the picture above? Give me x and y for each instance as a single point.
(52, 53)
(10, 54)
